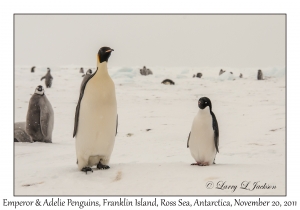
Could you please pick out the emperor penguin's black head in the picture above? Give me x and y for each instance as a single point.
(89, 71)
(39, 90)
(104, 54)
(204, 102)
(48, 69)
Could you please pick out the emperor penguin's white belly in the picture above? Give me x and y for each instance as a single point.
(201, 141)
(97, 122)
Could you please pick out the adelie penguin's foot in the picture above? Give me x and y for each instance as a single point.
(102, 167)
(86, 169)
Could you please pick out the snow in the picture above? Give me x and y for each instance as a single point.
(250, 114)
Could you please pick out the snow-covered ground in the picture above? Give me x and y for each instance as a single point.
(250, 114)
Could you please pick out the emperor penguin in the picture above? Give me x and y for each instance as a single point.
(48, 78)
(96, 119)
(40, 117)
(20, 134)
(203, 139)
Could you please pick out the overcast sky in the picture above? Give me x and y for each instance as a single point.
(237, 41)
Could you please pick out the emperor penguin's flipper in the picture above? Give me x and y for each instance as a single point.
(78, 104)
(43, 119)
(117, 126)
(43, 78)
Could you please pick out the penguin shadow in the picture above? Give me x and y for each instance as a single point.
(32, 184)
(118, 176)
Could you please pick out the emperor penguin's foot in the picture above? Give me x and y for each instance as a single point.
(195, 164)
(200, 164)
(86, 169)
(102, 167)
(203, 164)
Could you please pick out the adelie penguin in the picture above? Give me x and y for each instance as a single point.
(221, 71)
(32, 69)
(48, 78)
(259, 75)
(40, 117)
(199, 75)
(168, 82)
(203, 139)
(96, 119)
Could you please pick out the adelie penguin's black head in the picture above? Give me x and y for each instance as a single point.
(204, 102)
(104, 54)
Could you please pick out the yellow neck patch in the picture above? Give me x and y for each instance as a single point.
(98, 58)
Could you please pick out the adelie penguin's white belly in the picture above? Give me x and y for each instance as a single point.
(97, 123)
(201, 141)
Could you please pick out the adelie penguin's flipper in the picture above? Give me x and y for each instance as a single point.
(188, 140)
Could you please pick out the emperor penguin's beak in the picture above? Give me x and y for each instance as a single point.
(109, 50)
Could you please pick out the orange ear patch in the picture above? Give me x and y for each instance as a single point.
(98, 58)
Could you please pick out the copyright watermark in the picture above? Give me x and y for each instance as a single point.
(245, 185)
(209, 185)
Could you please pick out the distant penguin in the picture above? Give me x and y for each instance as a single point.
(32, 69)
(40, 117)
(168, 82)
(241, 75)
(96, 119)
(87, 72)
(259, 75)
(81, 70)
(20, 134)
(86, 77)
(221, 71)
(48, 78)
(199, 75)
(231, 72)
(194, 75)
(203, 139)
(144, 71)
